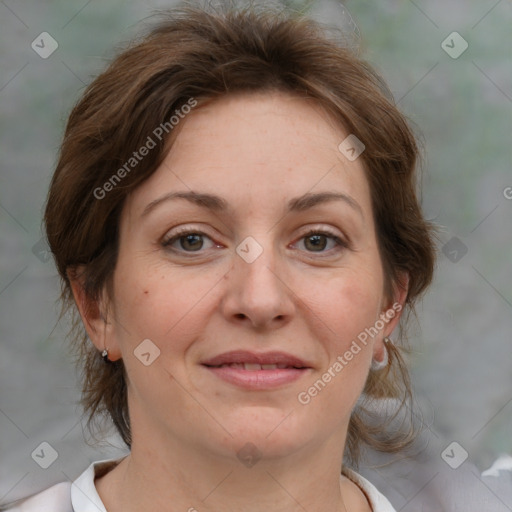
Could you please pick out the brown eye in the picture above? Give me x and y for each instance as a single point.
(192, 242)
(316, 242)
(322, 242)
(187, 242)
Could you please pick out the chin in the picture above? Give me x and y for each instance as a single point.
(268, 432)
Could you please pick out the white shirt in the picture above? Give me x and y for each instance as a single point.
(82, 496)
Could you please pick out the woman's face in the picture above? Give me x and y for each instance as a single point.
(254, 243)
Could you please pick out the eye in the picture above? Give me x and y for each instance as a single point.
(319, 240)
(187, 241)
(194, 241)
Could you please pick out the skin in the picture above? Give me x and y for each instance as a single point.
(257, 152)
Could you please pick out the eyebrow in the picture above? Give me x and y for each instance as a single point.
(218, 204)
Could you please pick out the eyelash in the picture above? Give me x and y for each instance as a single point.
(340, 243)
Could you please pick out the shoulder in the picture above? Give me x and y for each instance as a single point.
(378, 501)
(77, 496)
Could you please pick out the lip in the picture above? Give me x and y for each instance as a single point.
(244, 356)
(292, 368)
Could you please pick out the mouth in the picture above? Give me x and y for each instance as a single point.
(252, 361)
(254, 366)
(257, 371)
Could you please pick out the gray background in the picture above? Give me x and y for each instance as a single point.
(462, 355)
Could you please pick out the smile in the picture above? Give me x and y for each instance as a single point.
(257, 371)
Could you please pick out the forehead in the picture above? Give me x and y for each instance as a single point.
(267, 145)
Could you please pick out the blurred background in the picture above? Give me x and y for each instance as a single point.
(449, 67)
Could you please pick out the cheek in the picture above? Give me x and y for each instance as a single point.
(165, 306)
(348, 307)
(350, 304)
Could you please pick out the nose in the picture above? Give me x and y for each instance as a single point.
(256, 294)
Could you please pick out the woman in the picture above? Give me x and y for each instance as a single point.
(234, 218)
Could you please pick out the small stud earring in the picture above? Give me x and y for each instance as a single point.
(104, 354)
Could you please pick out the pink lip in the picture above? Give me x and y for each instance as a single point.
(244, 356)
(257, 379)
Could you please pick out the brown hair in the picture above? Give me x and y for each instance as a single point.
(205, 53)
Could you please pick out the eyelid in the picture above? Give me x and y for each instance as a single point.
(172, 235)
(328, 231)
(180, 230)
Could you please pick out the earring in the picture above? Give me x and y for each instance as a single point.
(104, 354)
(380, 365)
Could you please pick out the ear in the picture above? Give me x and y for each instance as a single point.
(391, 313)
(94, 314)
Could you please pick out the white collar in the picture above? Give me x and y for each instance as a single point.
(378, 501)
(84, 496)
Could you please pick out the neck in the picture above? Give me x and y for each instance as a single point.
(188, 478)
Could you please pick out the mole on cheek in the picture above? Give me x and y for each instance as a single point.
(146, 292)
